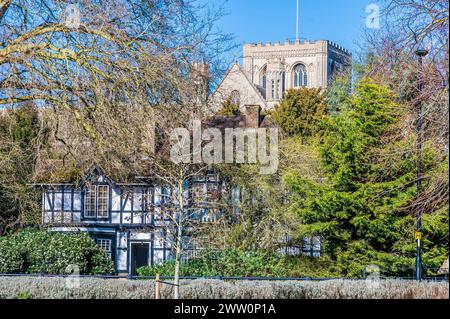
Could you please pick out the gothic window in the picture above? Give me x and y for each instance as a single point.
(264, 77)
(300, 76)
(277, 90)
(278, 86)
(235, 98)
(283, 83)
(273, 89)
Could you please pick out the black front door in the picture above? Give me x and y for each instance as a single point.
(139, 257)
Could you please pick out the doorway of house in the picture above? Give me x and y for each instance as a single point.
(139, 256)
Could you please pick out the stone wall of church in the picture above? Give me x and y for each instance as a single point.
(290, 54)
(236, 84)
(277, 62)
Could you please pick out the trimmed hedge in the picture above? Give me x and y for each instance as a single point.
(91, 288)
(32, 251)
(239, 263)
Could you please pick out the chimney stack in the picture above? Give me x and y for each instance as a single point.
(252, 116)
(200, 76)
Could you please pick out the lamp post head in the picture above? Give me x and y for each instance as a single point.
(422, 52)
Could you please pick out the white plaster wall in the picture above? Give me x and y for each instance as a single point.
(47, 217)
(115, 199)
(77, 201)
(115, 218)
(137, 199)
(140, 236)
(122, 251)
(77, 217)
(126, 218)
(158, 257)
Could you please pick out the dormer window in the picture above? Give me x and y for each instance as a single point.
(96, 204)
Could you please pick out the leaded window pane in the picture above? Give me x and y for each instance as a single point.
(102, 200)
(90, 201)
(105, 245)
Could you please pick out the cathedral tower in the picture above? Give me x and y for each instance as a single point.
(271, 69)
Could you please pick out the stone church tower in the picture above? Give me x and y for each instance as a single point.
(269, 70)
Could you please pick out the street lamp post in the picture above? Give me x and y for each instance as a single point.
(421, 53)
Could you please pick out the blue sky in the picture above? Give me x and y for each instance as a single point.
(340, 21)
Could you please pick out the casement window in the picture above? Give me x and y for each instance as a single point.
(89, 207)
(102, 201)
(312, 246)
(165, 196)
(105, 245)
(96, 203)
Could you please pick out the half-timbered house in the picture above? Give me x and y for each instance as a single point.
(126, 219)
(123, 218)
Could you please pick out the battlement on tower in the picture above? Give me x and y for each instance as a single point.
(317, 45)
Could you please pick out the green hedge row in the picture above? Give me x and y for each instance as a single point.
(238, 263)
(33, 251)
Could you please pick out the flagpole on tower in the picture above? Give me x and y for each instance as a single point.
(297, 27)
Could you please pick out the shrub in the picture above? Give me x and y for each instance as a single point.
(364, 206)
(239, 263)
(229, 108)
(23, 295)
(301, 112)
(92, 288)
(32, 251)
(339, 93)
(19, 131)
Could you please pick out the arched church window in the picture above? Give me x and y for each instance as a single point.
(277, 90)
(300, 76)
(235, 98)
(273, 88)
(263, 77)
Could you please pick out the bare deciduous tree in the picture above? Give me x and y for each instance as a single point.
(103, 75)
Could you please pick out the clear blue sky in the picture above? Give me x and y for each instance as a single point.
(340, 21)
